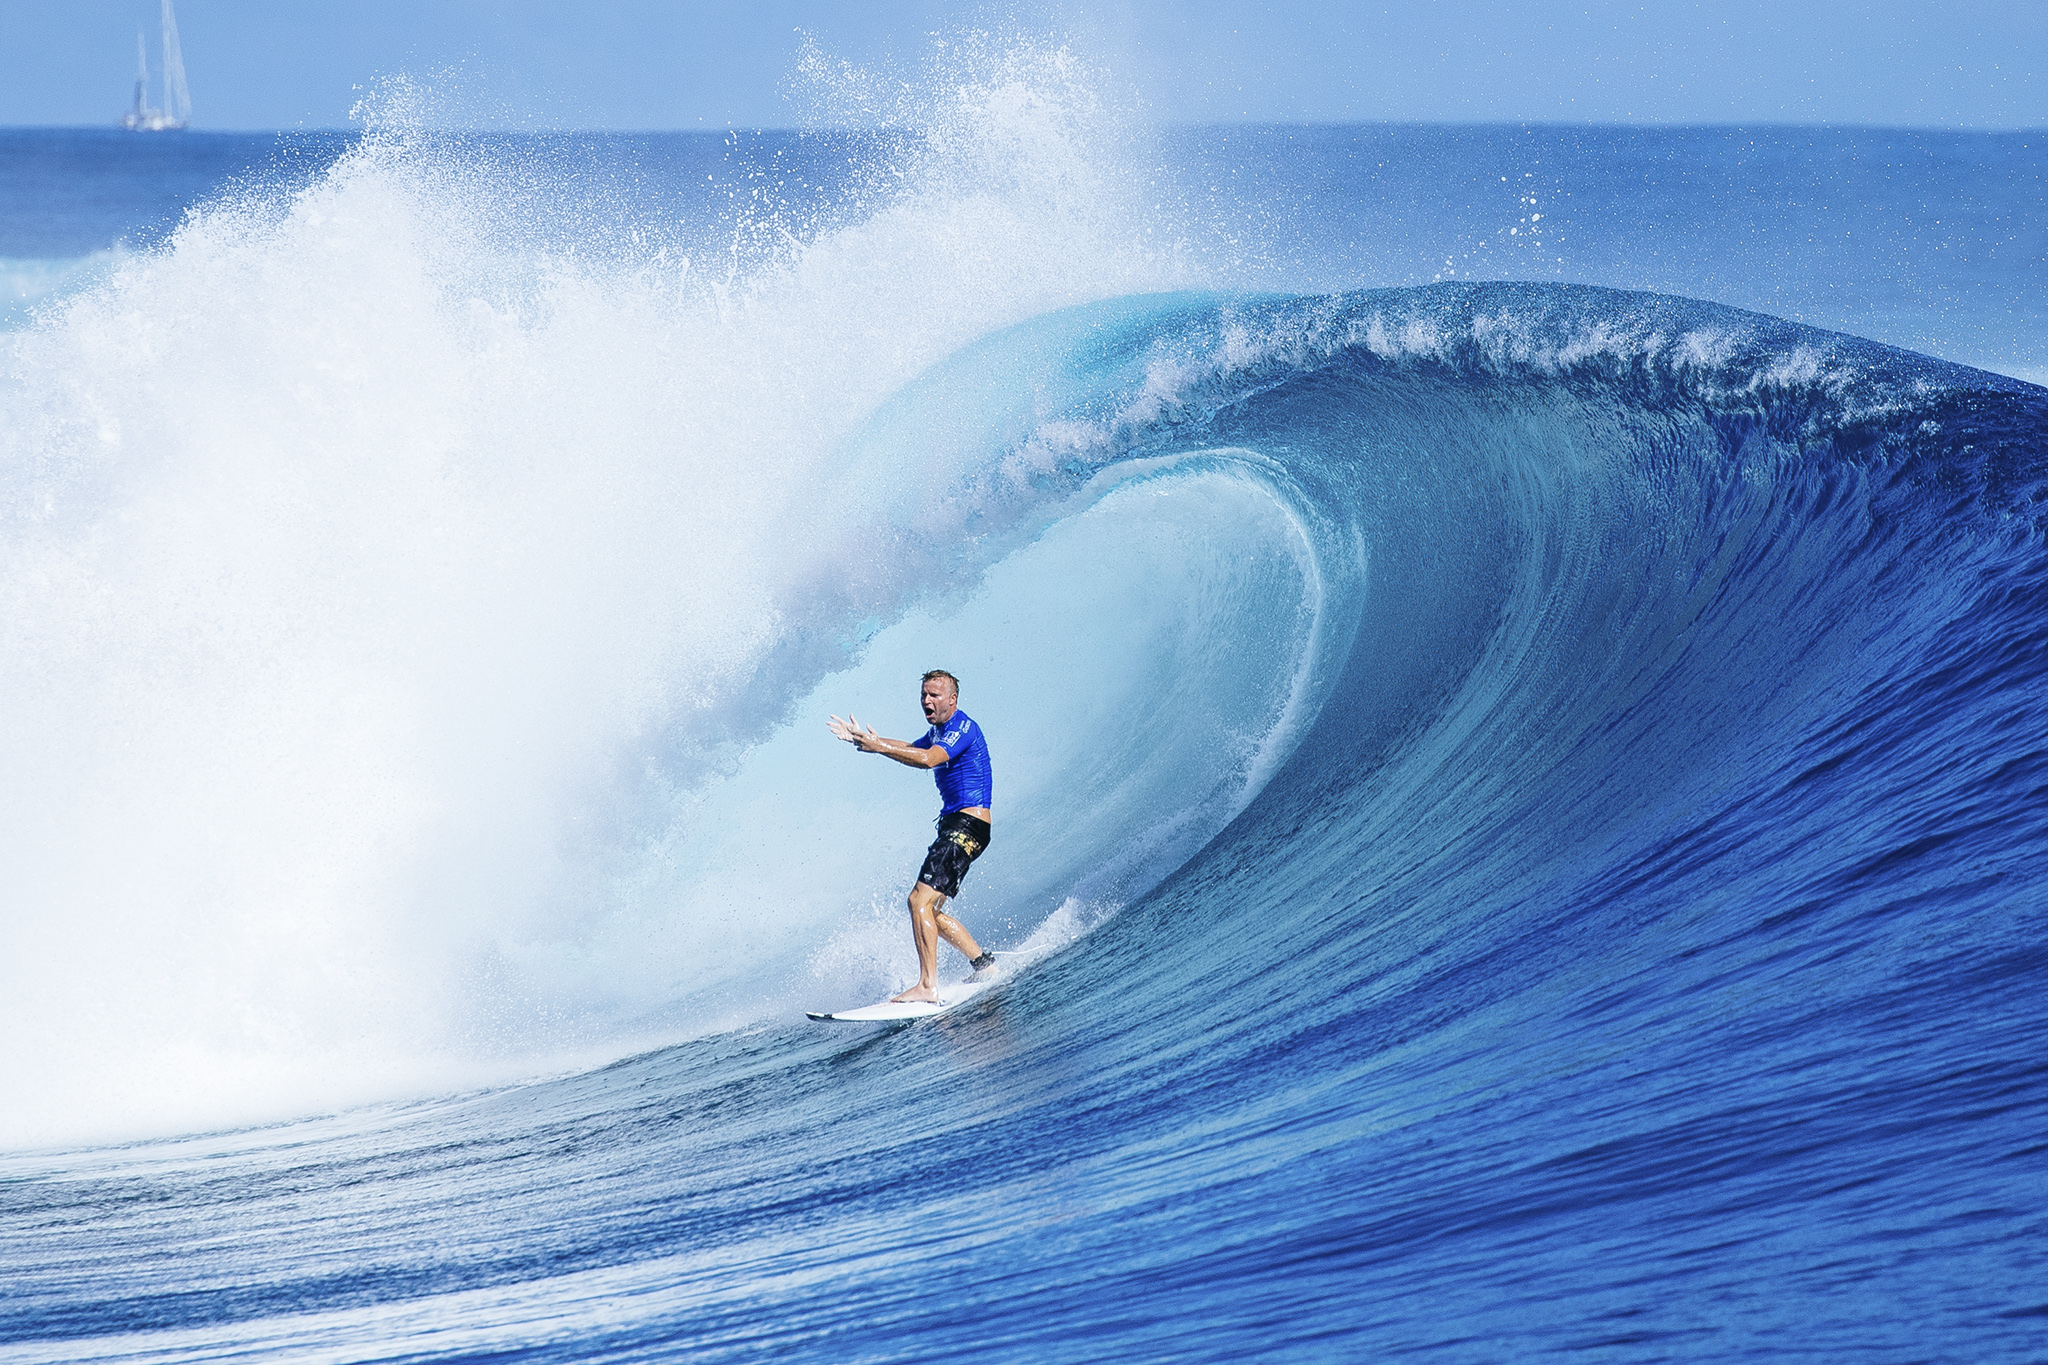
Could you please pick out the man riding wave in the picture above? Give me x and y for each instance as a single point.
(956, 753)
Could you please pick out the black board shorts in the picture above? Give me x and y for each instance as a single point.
(962, 838)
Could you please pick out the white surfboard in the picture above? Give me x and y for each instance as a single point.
(896, 1011)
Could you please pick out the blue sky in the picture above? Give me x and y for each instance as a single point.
(691, 64)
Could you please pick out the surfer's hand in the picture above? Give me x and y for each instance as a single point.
(853, 732)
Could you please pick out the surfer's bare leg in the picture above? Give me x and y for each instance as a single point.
(955, 933)
(927, 923)
(924, 928)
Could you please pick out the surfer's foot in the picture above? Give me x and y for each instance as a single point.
(982, 966)
(919, 994)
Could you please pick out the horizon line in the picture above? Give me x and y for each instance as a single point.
(1222, 124)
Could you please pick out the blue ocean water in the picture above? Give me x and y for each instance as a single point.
(1511, 655)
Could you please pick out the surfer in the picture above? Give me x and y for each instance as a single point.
(957, 755)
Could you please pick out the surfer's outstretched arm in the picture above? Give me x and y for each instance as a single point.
(864, 738)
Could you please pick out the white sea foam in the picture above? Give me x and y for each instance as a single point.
(383, 586)
(29, 284)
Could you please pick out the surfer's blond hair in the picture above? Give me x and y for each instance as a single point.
(931, 673)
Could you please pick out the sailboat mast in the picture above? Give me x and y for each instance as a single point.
(141, 80)
(177, 99)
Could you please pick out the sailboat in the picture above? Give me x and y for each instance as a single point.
(177, 106)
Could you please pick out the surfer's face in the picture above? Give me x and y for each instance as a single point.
(940, 701)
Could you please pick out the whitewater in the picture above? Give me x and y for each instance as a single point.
(1512, 658)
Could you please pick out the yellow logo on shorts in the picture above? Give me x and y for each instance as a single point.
(968, 845)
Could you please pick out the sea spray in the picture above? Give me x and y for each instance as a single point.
(378, 575)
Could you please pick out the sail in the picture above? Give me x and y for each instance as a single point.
(177, 99)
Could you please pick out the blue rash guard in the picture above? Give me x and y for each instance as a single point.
(964, 779)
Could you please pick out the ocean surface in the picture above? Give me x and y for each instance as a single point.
(1514, 659)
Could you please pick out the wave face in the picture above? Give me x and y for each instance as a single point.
(1519, 808)
(1635, 949)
